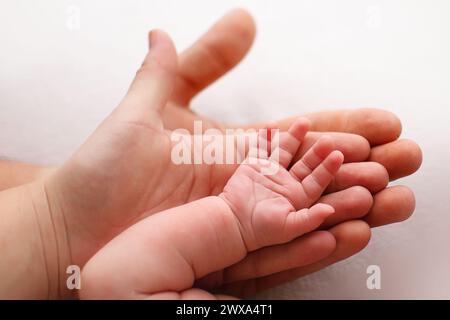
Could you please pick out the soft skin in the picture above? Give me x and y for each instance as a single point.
(212, 56)
(167, 254)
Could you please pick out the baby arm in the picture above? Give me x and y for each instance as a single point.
(166, 252)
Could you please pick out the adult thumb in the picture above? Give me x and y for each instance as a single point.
(153, 83)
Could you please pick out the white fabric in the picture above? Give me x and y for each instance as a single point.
(57, 84)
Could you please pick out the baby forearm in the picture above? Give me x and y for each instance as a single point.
(210, 226)
(166, 252)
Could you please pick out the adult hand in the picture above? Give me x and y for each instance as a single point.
(217, 52)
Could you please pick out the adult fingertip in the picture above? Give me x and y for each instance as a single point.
(361, 143)
(327, 241)
(158, 37)
(401, 158)
(409, 200)
(377, 125)
(362, 199)
(413, 153)
(317, 245)
(155, 36)
(379, 171)
(313, 247)
(353, 236)
(244, 22)
(391, 205)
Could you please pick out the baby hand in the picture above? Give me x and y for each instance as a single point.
(275, 208)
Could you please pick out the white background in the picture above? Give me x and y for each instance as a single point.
(57, 84)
